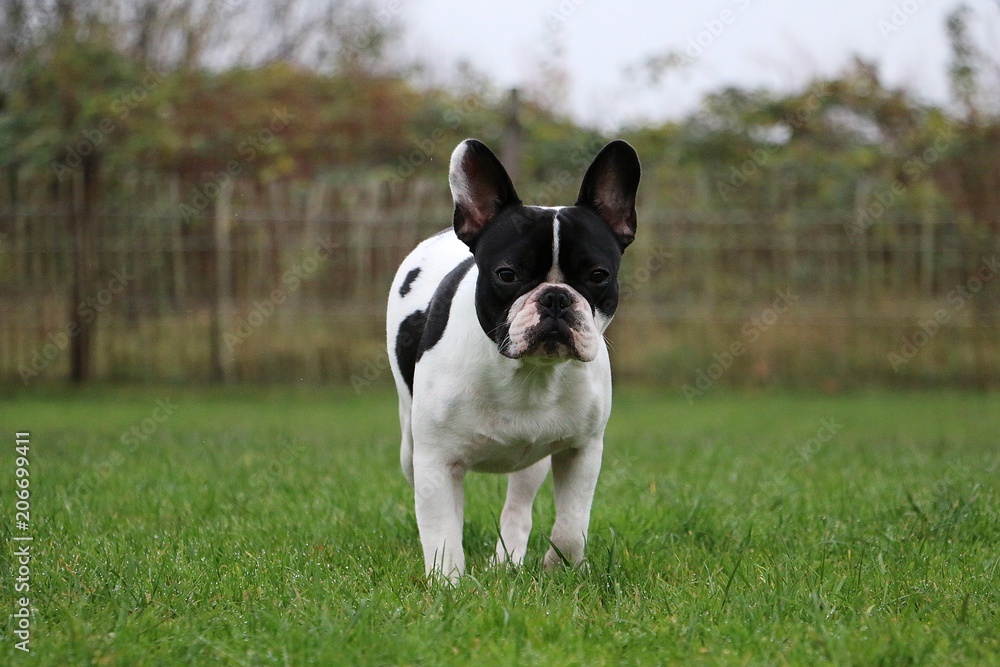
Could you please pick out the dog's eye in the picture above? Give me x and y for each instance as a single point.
(506, 275)
(598, 276)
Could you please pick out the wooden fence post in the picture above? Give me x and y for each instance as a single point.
(221, 355)
(177, 250)
(927, 253)
(512, 144)
(81, 222)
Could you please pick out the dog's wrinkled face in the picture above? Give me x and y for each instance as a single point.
(548, 277)
(548, 282)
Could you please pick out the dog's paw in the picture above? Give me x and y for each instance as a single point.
(439, 578)
(555, 559)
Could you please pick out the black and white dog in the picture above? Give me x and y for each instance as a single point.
(499, 354)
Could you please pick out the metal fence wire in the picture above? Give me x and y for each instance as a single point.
(271, 294)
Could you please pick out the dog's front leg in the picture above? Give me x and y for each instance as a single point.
(515, 520)
(574, 475)
(439, 504)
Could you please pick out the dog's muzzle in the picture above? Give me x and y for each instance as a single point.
(553, 322)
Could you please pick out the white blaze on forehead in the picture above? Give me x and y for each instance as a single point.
(555, 273)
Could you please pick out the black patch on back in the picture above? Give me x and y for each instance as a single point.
(440, 306)
(404, 289)
(407, 344)
(421, 330)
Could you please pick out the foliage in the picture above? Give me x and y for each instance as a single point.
(103, 81)
(59, 99)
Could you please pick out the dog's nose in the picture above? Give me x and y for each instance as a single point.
(556, 301)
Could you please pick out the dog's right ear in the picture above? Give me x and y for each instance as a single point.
(610, 186)
(480, 187)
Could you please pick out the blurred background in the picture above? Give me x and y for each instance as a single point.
(195, 191)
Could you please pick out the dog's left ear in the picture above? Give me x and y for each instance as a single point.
(480, 187)
(609, 189)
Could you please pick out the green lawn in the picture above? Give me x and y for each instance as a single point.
(273, 527)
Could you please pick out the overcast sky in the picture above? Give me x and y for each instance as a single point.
(778, 44)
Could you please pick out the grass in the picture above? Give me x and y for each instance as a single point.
(272, 527)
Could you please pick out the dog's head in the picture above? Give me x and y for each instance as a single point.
(548, 277)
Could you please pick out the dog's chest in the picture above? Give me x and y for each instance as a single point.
(515, 431)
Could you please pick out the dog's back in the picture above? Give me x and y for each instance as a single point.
(416, 282)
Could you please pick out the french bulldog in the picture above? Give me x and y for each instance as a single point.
(495, 333)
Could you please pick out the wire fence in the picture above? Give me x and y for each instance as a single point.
(256, 294)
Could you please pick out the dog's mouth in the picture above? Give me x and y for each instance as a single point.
(554, 340)
(551, 328)
(551, 340)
